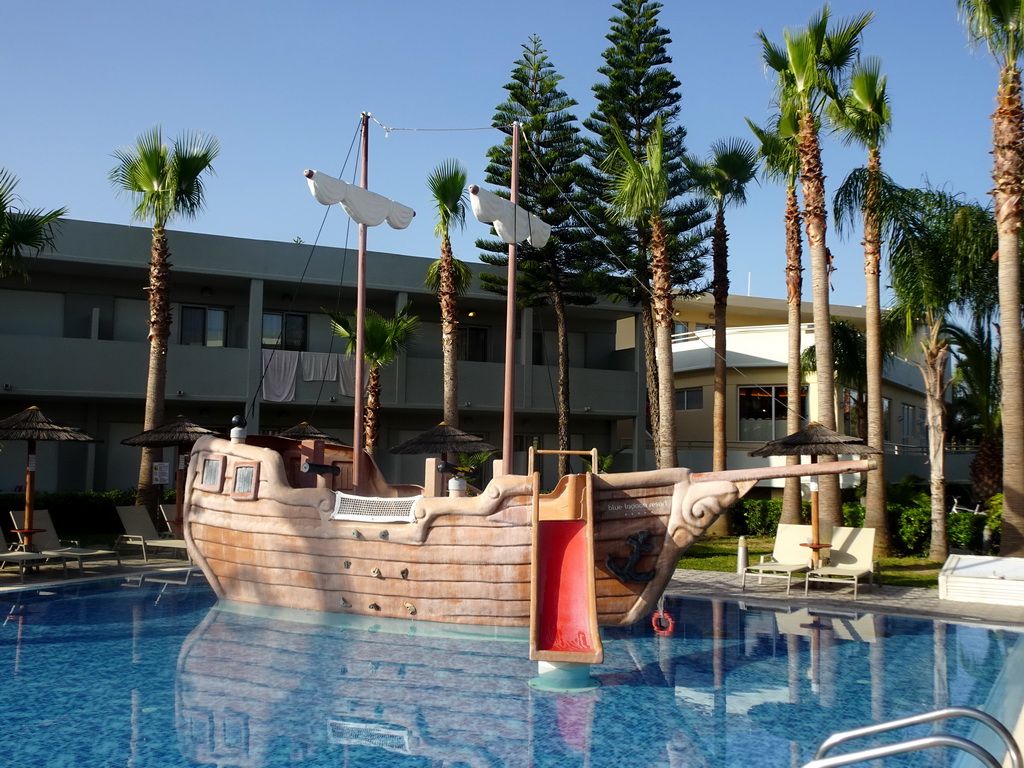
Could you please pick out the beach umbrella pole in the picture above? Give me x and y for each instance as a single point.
(179, 494)
(815, 532)
(30, 494)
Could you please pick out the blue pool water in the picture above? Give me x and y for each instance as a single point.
(154, 675)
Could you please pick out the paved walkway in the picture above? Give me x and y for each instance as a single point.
(50, 574)
(900, 601)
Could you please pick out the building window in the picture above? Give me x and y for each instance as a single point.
(690, 399)
(285, 330)
(908, 421)
(763, 410)
(204, 326)
(886, 419)
(473, 343)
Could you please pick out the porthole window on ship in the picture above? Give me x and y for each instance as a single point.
(211, 471)
(246, 481)
(211, 476)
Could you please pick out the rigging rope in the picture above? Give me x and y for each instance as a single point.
(568, 200)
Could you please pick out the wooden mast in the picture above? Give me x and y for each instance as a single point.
(510, 322)
(358, 435)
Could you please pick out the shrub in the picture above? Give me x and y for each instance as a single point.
(912, 524)
(965, 530)
(758, 517)
(87, 514)
(994, 519)
(853, 514)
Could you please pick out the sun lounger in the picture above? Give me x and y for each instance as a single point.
(787, 559)
(139, 531)
(168, 513)
(25, 559)
(851, 557)
(48, 543)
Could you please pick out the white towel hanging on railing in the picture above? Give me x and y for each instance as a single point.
(279, 369)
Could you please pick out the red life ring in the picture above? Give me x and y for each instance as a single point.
(663, 623)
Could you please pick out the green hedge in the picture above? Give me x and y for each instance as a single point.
(909, 521)
(86, 515)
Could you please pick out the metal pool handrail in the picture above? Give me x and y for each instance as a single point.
(914, 745)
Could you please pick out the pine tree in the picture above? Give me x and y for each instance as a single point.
(637, 90)
(549, 171)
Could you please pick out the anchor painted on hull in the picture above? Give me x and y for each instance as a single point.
(627, 573)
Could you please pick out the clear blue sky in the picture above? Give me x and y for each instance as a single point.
(282, 86)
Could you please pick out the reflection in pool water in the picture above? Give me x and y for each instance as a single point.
(158, 675)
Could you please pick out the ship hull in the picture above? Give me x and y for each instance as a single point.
(462, 560)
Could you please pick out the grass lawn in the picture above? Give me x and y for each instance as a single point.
(719, 554)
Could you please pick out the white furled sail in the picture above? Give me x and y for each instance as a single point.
(512, 223)
(362, 205)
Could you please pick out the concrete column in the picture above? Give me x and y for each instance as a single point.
(401, 379)
(254, 343)
(524, 358)
(640, 420)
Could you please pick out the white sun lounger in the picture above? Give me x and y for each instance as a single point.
(139, 531)
(25, 559)
(49, 544)
(787, 559)
(851, 558)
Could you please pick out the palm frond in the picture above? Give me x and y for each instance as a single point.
(23, 232)
(447, 185)
(462, 276)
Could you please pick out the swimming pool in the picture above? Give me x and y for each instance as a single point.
(148, 675)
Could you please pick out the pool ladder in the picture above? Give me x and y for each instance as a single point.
(916, 745)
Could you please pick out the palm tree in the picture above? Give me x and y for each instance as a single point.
(849, 348)
(164, 184)
(638, 194)
(999, 24)
(23, 233)
(811, 64)
(862, 115)
(976, 401)
(934, 262)
(447, 184)
(778, 148)
(385, 338)
(723, 179)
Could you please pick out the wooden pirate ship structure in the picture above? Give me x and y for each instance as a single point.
(596, 551)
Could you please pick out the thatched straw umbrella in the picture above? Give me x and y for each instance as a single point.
(306, 431)
(443, 439)
(815, 440)
(180, 433)
(32, 425)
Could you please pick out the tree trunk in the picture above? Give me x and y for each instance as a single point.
(159, 290)
(1008, 175)
(986, 470)
(791, 498)
(371, 428)
(874, 503)
(812, 179)
(933, 367)
(562, 405)
(449, 334)
(662, 315)
(720, 290)
(651, 376)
